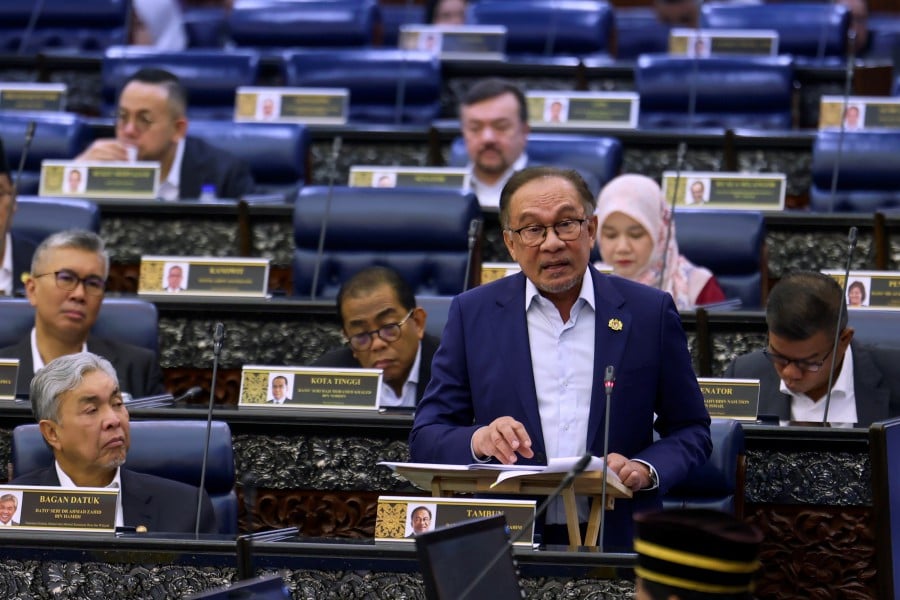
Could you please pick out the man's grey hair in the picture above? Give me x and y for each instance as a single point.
(60, 376)
(8, 498)
(78, 239)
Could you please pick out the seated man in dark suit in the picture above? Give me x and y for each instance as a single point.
(66, 286)
(79, 408)
(801, 314)
(385, 330)
(15, 251)
(152, 119)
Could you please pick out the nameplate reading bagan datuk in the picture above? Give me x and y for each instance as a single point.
(454, 178)
(59, 509)
(9, 371)
(309, 387)
(701, 43)
(204, 276)
(322, 106)
(712, 189)
(863, 112)
(455, 42)
(870, 289)
(582, 110)
(730, 398)
(33, 97)
(396, 516)
(131, 180)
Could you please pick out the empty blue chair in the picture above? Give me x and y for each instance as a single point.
(437, 308)
(36, 218)
(868, 175)
(395, 15)
(59, 136)
(86, 25)
(876, 328)
(307, 23)
(730, 92)
(639, 31)
(206, 27)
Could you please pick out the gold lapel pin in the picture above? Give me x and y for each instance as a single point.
(615, 324)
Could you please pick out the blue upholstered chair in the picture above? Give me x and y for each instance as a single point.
(36, 218)
(719, 483)
(386, 86)
(868, 171)
(875, 327)
(170, 449)
(206, 27)
(395, 15)
(549, 27)
(210, 76)
(730, 92)
(437, 308)
(56, 136)
(421, 233)
(311, 23)
(729, 243)
(639, 31)
(87, 25)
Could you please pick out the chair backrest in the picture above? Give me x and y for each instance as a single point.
(386, 86)
(36, 218)
(63, 25)
(437, 308)
(206, 27)
(729, 243)
(876, 328)
(56, 135)
(549, 27)
(639, 31)
(758, 92)
(170, 449)
(718, 484)
(311, 23)
(868, 171)
(127, 320)
(209, 76)
(804, 29)
(421, 233)
(277, 153)
(395, 15)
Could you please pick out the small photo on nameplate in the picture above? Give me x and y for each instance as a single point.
(861, 113)
(730, 398)
(454, 178)
(702, 43)
(84, 509)
(455, 42)
(204, 276)
(561, 109)
(870, 289)
(33, 97)
(724, 190)
(266, 387)
(402, 518)
(127, 180)
(316, 106)
(9, 371)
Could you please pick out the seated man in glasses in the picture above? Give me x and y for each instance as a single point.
(801, 315)
(385, 330)
(66, 286)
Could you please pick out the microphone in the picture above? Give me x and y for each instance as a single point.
(848, 83)
(189, 395)
(26, 147)
(320, 251)
(679, 165)
(218, 340)
(609, 382)
(842, 310)
(36, 11)
(576, 470)
(474, 228)
(552, 30)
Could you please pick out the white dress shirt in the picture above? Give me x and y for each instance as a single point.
(66, 482)
(489, 193)
(841, 410)
(169, 188)
(408, 397)
(6, 268)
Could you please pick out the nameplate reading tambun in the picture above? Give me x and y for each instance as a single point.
(455, 42)
(395, 516)
(315, 106)
(724, 190)
(730, 398)
(870, 289)
(389, 177)
(61, 509)
(268, 387)
(560, 109)
(204, 276)
(118, 180)
(861, 113)
(701, 43)
(33, 97)
(9, 371)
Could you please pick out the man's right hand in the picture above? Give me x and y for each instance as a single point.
(104, 150)
(502, 439)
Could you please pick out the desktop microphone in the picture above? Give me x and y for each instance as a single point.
(576, 470)
(26, 147)
(609, 382)
(848, 83)
(851, 240)
(189, 395)
(320, 251)
(218, 340)
(679, 165)
(474, 228)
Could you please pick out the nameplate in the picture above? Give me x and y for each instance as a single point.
(710, 189)
(863, 112)
(701, 43)
(309, 387)
(455, 42)
(133, 180)
(870, 289)
(204, 276)
(33, 97)
(56, 508)
(454, 178)
(583, 110)
(730, 398)
(9, 371)
(323, 106)
(396, 515)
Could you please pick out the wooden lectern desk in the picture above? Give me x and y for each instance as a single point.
(590, 483)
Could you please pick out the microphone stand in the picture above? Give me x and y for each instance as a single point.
(218, 339)
(335, 151)
(474, 226)
(842, 308)
(679, 165)
(848, 82)
(609, 382)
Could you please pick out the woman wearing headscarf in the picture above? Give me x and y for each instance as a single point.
(158, 23)
(637, 239)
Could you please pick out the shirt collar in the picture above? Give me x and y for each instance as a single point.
(7, 285)
(532, 294)
(36, 359)
(66, 482)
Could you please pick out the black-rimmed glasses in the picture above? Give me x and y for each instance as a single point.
(389, 333)
(807, 366)
(68, 280)
(534, 235)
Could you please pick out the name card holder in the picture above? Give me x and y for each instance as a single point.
(870, 289)
(455, 42)
(453, 178)
(730, 398)
(9, 372)
(268, 387)
(33, 97)
(701, 43)
(125, 180)
(862, 113)
(315, 106)
(712, 189)
(60, 509)
(583, 110)
(204, 276)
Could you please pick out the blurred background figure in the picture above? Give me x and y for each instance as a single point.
(678, 13)
(445, 12)
(158, 23)
(859, 24)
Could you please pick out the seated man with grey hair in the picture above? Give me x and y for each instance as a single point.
(78, 406)
(8, 506)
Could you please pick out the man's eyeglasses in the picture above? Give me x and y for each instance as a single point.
(534, 235)
(67, 280)
(807, 366)
(142, 122)
(389, 333)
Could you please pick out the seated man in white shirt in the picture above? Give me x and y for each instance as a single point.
(15, 250)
